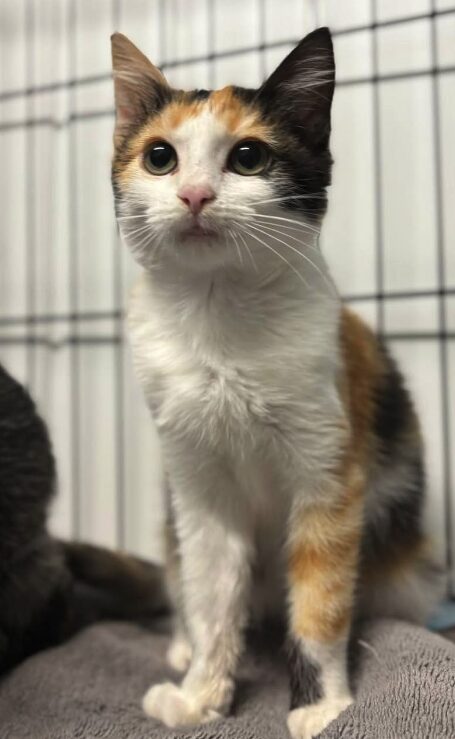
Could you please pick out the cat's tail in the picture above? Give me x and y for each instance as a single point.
(109, 584)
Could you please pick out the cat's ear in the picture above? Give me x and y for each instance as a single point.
(140, 88)
(301, 88)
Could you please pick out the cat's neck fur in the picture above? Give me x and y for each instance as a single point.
(226, 313)
(255, 290)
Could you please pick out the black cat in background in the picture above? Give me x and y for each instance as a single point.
(51, 589)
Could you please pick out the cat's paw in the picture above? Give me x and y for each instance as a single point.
(179, 654)
(308, 722)
(172, 706)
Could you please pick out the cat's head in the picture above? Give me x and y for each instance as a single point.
(197, 174)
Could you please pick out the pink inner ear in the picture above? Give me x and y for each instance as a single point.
(124, 113)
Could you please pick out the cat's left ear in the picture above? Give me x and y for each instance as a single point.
(301, 88)
(140, 88)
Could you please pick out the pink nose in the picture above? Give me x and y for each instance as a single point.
(196, 196)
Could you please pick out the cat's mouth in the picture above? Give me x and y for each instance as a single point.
(196, 230)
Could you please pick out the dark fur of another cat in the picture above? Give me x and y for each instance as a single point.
(50, 589)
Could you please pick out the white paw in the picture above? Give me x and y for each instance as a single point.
(308, 722)
(179, 654)
(171, 705)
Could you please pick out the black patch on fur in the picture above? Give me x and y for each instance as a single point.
(304, 678)
(246, 95)
(394, 409)
(300, 115)
(297, 170)
(198, 95)
(304, 174)
(400, 525)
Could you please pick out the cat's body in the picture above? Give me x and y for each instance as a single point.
(212, 390)
(291, 448)
(218, 398)
(50, 589)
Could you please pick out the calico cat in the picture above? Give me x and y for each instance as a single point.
(51, 589)
(291, 446)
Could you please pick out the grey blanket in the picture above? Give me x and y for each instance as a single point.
(90, 688)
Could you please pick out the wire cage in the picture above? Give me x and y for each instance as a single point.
(65, 275)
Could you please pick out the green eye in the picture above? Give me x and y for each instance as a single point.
(161, 158)
(249, 158)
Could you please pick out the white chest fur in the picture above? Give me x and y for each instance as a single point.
(228, 368)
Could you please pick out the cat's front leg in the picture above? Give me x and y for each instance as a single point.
(323, 561)
(180, 651)
(215, 570)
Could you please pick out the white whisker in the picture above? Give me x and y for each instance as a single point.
(136, 231)
(140, 244)
(272, 229)
(285, 198)
(230, 233)
(289, 220)
(245, 242)
(267, 246)
(303, 256)
(127, 218)
(296, 229)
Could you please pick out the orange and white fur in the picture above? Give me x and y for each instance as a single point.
(292, 451)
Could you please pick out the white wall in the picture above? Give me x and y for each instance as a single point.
(64, 275)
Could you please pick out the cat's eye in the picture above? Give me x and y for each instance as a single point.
(248, 158)
(160, 158)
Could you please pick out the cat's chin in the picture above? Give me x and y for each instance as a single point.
(202, 251)
(198, 235)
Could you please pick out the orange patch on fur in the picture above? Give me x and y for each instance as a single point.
(309, 561)
(161, 126)
(241, 120)
(320, 623)
(174, 115)
(323, 563)
(363, 368)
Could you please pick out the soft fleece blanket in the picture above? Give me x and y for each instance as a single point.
(90, 688)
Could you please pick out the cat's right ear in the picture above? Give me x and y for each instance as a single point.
(301, 88)
(140, 88)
